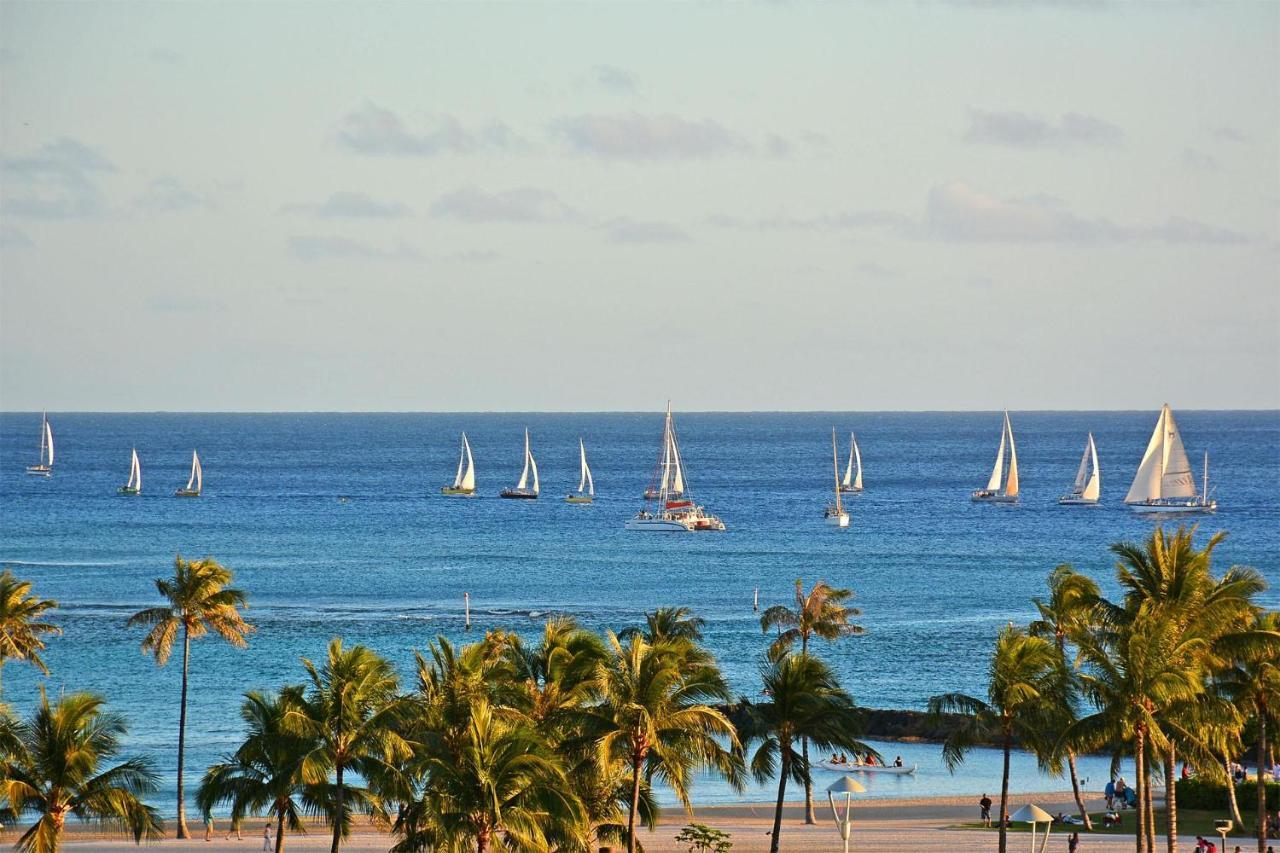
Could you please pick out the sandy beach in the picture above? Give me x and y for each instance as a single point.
(914, 824)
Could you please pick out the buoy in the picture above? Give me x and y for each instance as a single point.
(756, 605)
(466, 604)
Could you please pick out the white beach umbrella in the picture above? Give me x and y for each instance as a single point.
(1033, 814)
(848, 786)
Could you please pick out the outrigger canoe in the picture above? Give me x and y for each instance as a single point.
(850, 767)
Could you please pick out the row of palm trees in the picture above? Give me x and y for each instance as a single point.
(1182, 665)
(504, 742)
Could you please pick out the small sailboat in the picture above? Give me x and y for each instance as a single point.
(852, 481)
(134, 486)
(835, 514)
(464, 482)
(1164, 482)
(196, 481)
(45, 467)
(586, 486)
(1002, 487)
(1088, 484)
(675, 511)
(523, 490)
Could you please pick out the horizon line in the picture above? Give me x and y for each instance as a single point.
(1260, 410)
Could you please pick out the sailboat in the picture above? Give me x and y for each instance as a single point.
(586, 486)
(134, 486)
(464, 482)
(1002, 487)
(196, 482)
(1088, 484)
(45, 466)
(835, 514)
(522, 489)
(675, 511)
(852, 481)
(1164, 482)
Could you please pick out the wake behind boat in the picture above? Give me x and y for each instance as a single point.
(586, 486)
(464, 482)
(44, 468)
(1088, 483)
(672, 514)
(1002, 487)
(523, 491)
(1164, 482)
(195, 483)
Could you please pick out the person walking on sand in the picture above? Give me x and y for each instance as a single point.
(208, 827)
(266, 839)
(234, 830)
(985, 805)
(1073, 843)
(1110, 793)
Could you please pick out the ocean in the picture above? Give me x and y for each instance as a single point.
(935, 575)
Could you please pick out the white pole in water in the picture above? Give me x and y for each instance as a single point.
(756, 606)
(466, 603)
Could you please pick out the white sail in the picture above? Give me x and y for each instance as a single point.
(857, 458)
(135, 473)
(196, 480)
(1146, 482)
(1176, 480)
(1077, 487)
(48, 432)
(847, 482)
(1011, 481)
(584, 478)
(1094, 487)
(677, 483)
(524, 475)
(462, 456)
(468, 479)
(533, 466)
(997, 472)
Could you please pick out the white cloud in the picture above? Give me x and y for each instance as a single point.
(13, 238)
(355, 205)
(625, 230)
(614, 79)
(168, 194)
(1021, 130)
(324, 248)
(375, 131)
(57, 181)
(1198, 160)
(524, 204)
(634, 136)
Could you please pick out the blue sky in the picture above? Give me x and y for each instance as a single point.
(602, 206)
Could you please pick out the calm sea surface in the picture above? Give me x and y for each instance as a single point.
(935, 575)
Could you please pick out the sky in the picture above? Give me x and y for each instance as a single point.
(736, 206)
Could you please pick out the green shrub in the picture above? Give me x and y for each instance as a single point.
(701, 837)
(1195, 793)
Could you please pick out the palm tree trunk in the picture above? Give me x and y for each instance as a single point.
(1171, 797)
(1004, 792)
(280, 830)
(1231, 792)
(782, 793)
(635, 804)
(338, 797)
(182, 733)
(1150, 830)
(1075, 789)
(1262, 786)
(482, 841)
(1139, 771)
(810, 816)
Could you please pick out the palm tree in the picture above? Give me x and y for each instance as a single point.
(822, 612)
(1024, 692)
(668, 623)
(265, 772)
(806, 702)
(54, 768)
(497, 780)
(1067, 612)
(199, 601)
(655, 717)
(21, 631)
(350, 712)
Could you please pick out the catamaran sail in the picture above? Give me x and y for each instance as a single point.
(45, 466)
(523, 489)
(195, 483)
(835, 515)
(1088, 482)
(674, 512)
(1002, 486)
(1164, 481)
(852, 481)
(134, 486)
(670, 471)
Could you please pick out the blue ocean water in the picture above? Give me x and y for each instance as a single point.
(935, 575)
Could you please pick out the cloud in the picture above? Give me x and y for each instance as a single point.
(626, 230)
(1229, 134)
(57, 181)
(524, 204)
(846, 220)
(168, 194)
(355, 205)
(870, 269)
(776, 146)
(471, 256)
(960, 213)
(165, 56)
(375, 131)
(326, 248)
(640, 137)
(13, 238)
(1020, 130)
(614, 79)
(1198, 160)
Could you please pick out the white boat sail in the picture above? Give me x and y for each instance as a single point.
(1164, 482)
(523, 490)
(1002, 487)
(586, 485)
(464, 482)
(835, 514)
(852, 481)
(675, 511)
(195, 483)
(44, 467)
(1088, 483)
(134, 486)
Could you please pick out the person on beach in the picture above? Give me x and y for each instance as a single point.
(1110, 793)
(208, 827)
(897, 762)
(1073, 843)
(985, 805)
(234, 830)
(266, 838)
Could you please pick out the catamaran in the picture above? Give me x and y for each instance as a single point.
(1164, 482)
(195, 482)
(45, 466)
(1002, 487)
(523, 490)
(675, 511)
(134, 486)
(586, 486)
(464, 482)
(835, 514)
(852, 481)
(1088, 484)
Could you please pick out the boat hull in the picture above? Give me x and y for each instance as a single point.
(985, 497)
(840, 520)
(850, 490)
(519, 494)
(39, 470)
(868, 768)
(1076, 500)
(578, 499)
(125, 490)
(1184, 507)
(457, 492)
(658, 525)
(186, 493)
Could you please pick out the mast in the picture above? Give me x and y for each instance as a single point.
(44, 431)
(835, 470)
(1204, 498)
